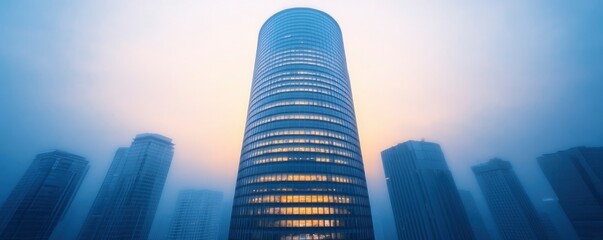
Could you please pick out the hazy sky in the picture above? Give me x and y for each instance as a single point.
(512, 79)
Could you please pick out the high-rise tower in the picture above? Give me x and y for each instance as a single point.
(197, 215)
(475, 218)
(301, 174)
(42, 196)
(423, 194)
(513, 212)
(576, 175)
(126, 203)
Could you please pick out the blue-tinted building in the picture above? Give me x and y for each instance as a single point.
(423, 194)
(512, 210)
(549, 227)
(225, 219)
(197, 215)
(42, 196)
(301, 174)
(576, 176)
(126, 203)
(475, 218)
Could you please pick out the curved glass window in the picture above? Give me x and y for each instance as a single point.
(301, 174)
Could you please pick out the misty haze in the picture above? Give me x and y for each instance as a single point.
(301, 120)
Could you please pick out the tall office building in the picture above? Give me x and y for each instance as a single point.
(42, 196)
(423, 194)
(549, 227)
(301, 174)
(513, 212)
(126, 203)
(475, 218)
(225, 219)
(576, 176)
(550, 206)
(197, 215)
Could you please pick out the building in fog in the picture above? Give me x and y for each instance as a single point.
(512, 210)
(550, 206)
(42, 196)
(475, 218)
(301, 174)
(549, 227)
(197, 215)
(225, 219)
(423, 194)
(576, 176)
(126, 203)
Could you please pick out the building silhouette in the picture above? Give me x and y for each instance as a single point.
(301, 174)
(576, 176)
(549, 227)
(197, 215)
(423, 194)
(563, 227)
(475, 218)
(126, 203)
(512, 210)
(42, 196)
(225, 219)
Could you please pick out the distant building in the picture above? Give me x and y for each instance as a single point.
(549, 227)
(550, 206)
(225, 219)
(475, 218)
(197, 215)
(42, 196)
(576, 176)
(513, 212)
(127, 201)
(423, 194)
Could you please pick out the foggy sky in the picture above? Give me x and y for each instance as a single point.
(484, 79)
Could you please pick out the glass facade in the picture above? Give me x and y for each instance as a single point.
(126, 203)
(301, 174)
(197, 215)
(512, 210)
(42, 196)
(475, 218)
(423, 194)
(576, 176)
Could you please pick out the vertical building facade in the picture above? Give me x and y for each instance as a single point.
(197, 215)
(512, 210)
(423, 194)
(549, 227)
(225, 219)
(475, 218)
(551, 207)
(576, 176)
(126, 203)
(42, 196)
(301, 174)
(103, 204)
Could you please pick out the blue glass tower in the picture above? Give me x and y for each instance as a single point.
(576, 175)
(301, 174)
(196, 216)
(475, 218)
(126, 203)
(423, 194)
(42, 196)
(508, 201)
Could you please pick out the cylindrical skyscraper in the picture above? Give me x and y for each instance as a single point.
(301, 174)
